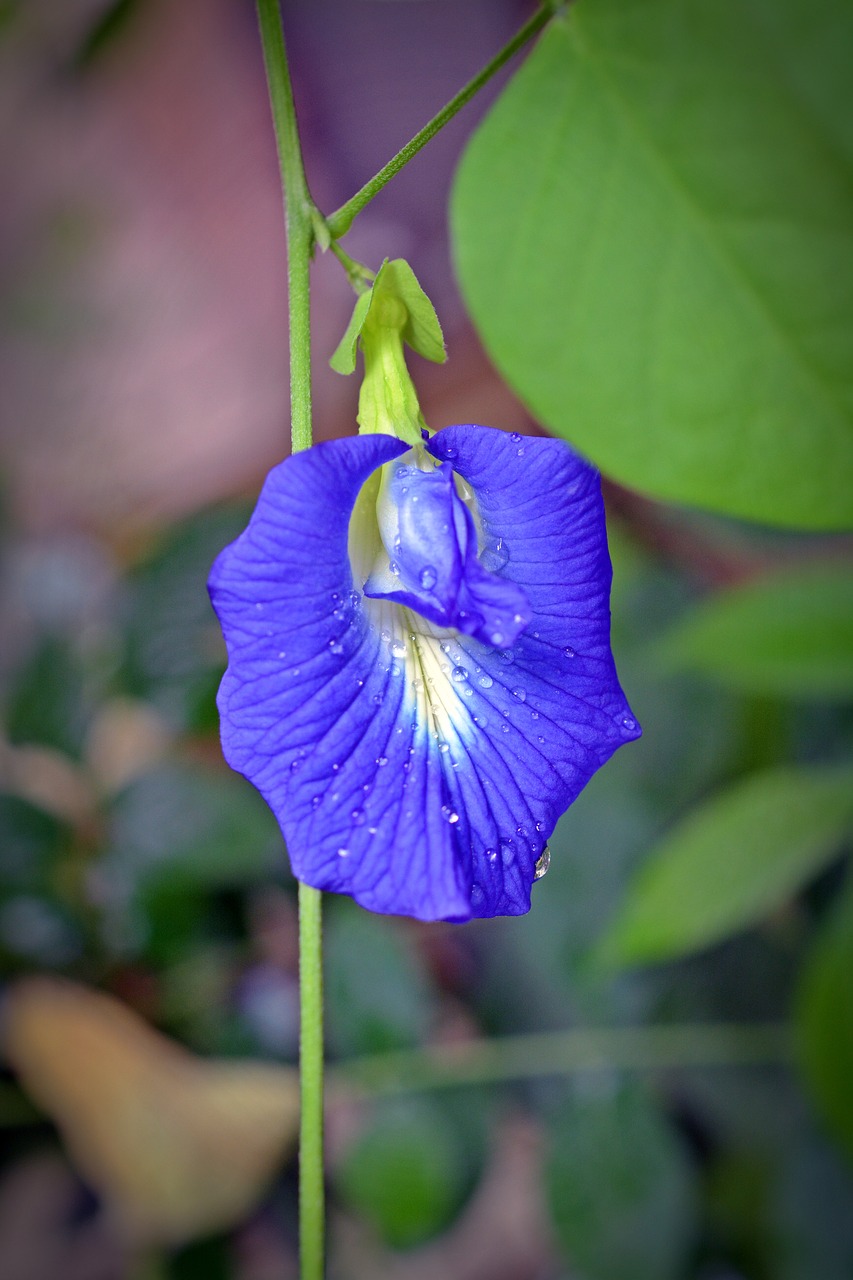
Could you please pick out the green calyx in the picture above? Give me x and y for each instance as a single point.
(394, 312)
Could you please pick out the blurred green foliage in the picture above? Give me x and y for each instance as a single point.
(647, 231)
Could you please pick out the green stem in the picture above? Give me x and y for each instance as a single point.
(342, 219)
(360, 277)
(300, 215)
(567, 1052)
(311, 1192)
(302, 220)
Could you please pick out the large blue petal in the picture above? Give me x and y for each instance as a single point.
(413, 767)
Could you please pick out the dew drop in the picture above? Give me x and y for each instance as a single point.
(568, 652)
(402, 472)
(519, 693)
(506, 853)
(394, 567)
(477, 895)
(542, 864)
(629, 723)
(283, 654)
(459, 674)
(515, 437)
(534, 715)
(427, 577)
(485, 681)
(497, 638)
(444, 747)
(378, 698)
(449, 815)
(316, 801)
(335, 646)
(381, 761)
(357, 817)
(343, 852)
(398, 647)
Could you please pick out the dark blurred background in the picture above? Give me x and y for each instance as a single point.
(143, 379)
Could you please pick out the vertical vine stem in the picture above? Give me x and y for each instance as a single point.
(300, 220)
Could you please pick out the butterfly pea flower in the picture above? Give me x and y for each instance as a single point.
(420, 678)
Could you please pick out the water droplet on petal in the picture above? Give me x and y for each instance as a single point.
(398, 647)
(568, 652)
(629, 723)
(491, 855)
(343, 852)
(542, 864)
(519, 693)
(449, 815)
(485, 681)
(506, 853)
(428, 577)
(515, 437)
(497, 638)
(335, 646)
(357, 817)
(444, 747)
(477, 895)
(459, 674)
(394, 567)
(381, 761)
(316, 801)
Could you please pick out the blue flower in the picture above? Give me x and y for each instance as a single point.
(420, 679)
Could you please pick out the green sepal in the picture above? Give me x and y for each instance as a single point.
(421, 331)
(419, 328)
(343, 361)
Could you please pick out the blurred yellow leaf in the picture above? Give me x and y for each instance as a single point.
(177, 1146)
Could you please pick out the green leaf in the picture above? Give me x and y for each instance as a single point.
(405, 1174)
(824, 1021)
(789, 635)
(652, 231)
(620, 1189)
(731, 861)
(395, 281)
